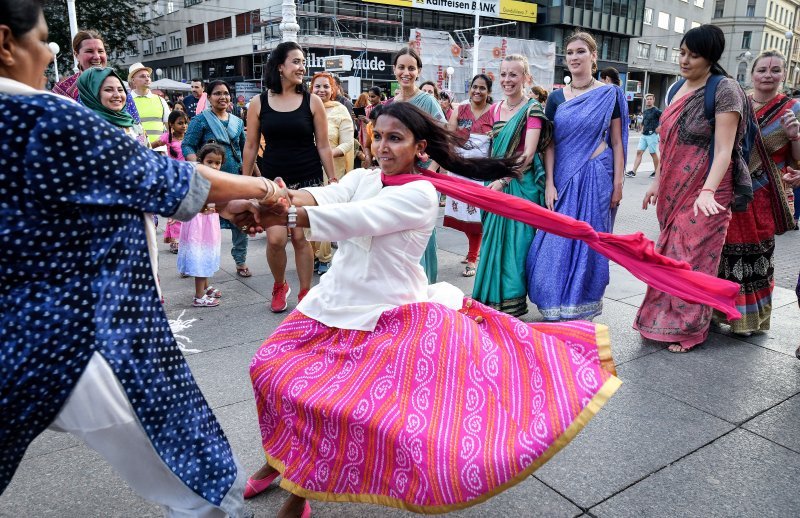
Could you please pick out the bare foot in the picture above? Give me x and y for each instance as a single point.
(677, 348)
(293, 507)
(265, 471)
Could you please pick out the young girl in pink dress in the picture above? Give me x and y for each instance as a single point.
(200, 239)
(176, 128)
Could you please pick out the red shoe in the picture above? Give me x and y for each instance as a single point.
(306, 510)
(255, 486)
(301, 295)
(280, 292)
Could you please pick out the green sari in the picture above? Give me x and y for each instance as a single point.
(500, 280)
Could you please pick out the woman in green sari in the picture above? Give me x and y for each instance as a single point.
(519, 127)
(407, 67)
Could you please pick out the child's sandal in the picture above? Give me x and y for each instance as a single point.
(213, 292)
(205, 302)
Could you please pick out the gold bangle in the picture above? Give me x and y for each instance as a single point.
(270, 185)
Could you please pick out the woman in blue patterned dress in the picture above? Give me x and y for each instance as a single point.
(88, 330)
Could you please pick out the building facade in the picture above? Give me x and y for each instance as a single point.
(653, 57)
(612, 23)
(754, 26)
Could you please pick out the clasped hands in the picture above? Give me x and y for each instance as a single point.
(254, 216)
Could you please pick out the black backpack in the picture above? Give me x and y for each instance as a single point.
(751, 125)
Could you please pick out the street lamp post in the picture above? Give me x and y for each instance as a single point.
(450, 72)
(790, 38)
(289, 27)
(55, 49)
(73, 29)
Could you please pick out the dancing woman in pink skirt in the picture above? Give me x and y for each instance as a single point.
(379, 388)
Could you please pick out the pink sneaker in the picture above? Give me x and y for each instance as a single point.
(280, 292)
(302, 295)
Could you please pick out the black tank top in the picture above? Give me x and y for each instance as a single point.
(290, 151)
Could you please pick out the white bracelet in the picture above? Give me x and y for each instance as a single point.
(291, 221)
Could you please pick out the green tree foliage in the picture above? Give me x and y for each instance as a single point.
(115, 20)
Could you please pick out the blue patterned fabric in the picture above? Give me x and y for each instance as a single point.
(77, 277)
(566, 279)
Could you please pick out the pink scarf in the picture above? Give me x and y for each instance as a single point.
(633, 251)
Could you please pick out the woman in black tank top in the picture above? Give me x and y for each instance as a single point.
(295, 130)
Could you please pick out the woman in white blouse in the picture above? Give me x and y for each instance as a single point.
(364, 392)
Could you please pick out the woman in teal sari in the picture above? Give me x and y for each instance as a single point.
(407, 67)
(519, 128)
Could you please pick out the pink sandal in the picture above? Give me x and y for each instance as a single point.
(306, 510)
(205, 302)
(257, 486)
(213, 292)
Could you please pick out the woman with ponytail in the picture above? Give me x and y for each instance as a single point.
(693, 190)
(352, 389)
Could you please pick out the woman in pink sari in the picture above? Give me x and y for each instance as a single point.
(695, 188)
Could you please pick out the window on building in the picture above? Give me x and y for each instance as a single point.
(770, 9)
(700, 3)
(171, 7)
(741, 72)
(719, 8)
(746, 37)
(147, 47)
(161, 44)
(661, 53)
(189, 3)
(663, 20)
(686, 1)
(695, 25)
(676, 54)
(680, 25)
(648, 16)
(195, 35)
(244, 22)
(643, 50)
(751, 8)
(175, 41)
(220, 29)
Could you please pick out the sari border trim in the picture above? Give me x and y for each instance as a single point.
(597, 402)
(686, 341)
(580, 312)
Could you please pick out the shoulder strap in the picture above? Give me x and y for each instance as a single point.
(674, 89)
(710, 97)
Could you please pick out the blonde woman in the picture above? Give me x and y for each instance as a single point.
(519, 128)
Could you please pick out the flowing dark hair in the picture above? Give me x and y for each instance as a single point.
(272, 74)
(612, 73)
(20, 15)
(443, 145)
(707, 41)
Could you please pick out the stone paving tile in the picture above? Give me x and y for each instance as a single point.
(784, 335)
(234, 294)
(529, 499)
(224, 326)
(71, 483)
(636, 433)
(626, 343)
(727, 378)
(223, 375)
(622, 284)
(740, 475)
(49, 442)
(779, 424)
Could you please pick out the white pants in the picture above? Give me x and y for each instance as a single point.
(99, 413)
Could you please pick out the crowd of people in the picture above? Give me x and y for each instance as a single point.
(353, 388)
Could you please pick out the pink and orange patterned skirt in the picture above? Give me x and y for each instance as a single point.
(435, 410)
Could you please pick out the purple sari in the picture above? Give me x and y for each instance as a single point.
(567, 279)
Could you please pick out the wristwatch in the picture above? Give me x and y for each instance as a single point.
(292, 217)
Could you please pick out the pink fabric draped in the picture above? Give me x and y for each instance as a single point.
(634, 252)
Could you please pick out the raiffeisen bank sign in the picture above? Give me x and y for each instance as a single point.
(503, 9)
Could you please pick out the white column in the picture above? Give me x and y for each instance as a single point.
(475, 38)
(73, 29)
(289, 27)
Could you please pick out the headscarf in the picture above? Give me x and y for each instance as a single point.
(89, 84)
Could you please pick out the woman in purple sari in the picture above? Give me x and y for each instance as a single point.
(566, 279)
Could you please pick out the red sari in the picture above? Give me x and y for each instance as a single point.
(698, 240)
(750, 243)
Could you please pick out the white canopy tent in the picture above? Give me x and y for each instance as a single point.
(169, 84)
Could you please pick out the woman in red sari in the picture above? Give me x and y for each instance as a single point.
(693, 196)
(749, 246)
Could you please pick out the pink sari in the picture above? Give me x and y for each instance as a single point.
(697, 240)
